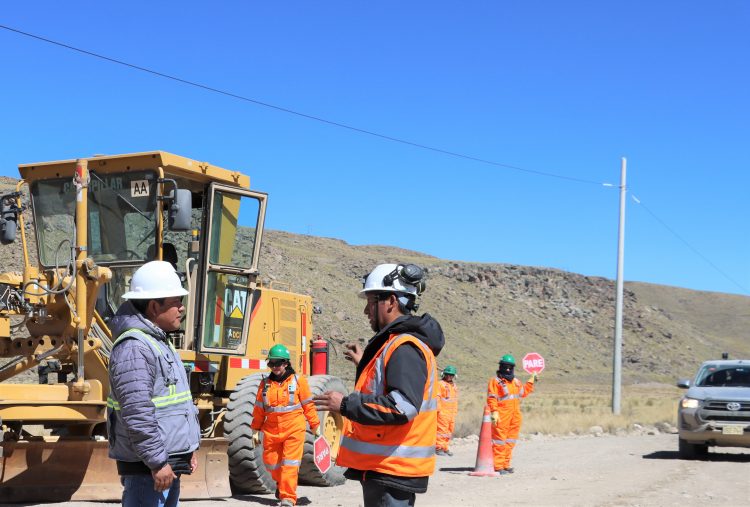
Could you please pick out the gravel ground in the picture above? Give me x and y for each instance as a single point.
(629, 470)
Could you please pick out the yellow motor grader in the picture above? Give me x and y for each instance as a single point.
(95, 221)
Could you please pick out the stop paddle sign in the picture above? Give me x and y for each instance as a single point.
(533, 363)
(322, 454)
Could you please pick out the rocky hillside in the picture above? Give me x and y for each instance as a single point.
(487, 310)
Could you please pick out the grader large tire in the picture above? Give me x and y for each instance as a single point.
(247, 473)
(331, 426)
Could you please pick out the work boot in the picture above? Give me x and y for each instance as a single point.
(440, 452)
(448, 453)
(509, 470)
(286, 503)
(277, 494)
(502, 471)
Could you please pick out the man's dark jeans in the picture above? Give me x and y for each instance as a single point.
(377, 495)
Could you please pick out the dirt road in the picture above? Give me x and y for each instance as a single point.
(579, 471)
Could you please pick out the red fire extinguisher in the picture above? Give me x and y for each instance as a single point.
(319, 356)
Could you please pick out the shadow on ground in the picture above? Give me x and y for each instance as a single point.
(455, 470)
(712, 456)
(261, 500)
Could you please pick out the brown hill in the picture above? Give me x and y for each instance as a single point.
(487, 310)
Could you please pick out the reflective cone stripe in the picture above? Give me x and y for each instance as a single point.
(485, 464)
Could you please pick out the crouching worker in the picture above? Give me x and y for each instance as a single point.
(151, 419)
(504, 395)
(283, 408)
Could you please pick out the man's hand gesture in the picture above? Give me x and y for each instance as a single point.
(353, 352)
(329, 400)
(163, 478)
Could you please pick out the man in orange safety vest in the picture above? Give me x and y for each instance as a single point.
(391, 416)
(447, 410)
(504, 395)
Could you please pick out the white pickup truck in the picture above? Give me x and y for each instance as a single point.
(715, 411)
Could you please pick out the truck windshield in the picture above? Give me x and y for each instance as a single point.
(733, 376)
(121, 217)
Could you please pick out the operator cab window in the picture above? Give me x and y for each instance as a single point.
(121, 217)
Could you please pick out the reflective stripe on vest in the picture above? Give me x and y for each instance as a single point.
(174, 397)
(398, 451)
(291, 403)
(377, 385)
(507, 396)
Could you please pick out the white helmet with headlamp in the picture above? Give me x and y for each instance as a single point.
(405, 280)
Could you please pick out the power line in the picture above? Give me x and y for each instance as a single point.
(363, 131)
(684, 241)
(298, 113)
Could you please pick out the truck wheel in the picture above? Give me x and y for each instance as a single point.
(687, 450)
(247, 472)
(331, 426)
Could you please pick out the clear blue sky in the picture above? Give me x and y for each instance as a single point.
(566, 88)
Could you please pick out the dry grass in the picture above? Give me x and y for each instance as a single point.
(562, 410)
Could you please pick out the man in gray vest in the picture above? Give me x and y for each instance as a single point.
(151, 419)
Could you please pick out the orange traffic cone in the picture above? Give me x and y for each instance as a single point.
(485, 466)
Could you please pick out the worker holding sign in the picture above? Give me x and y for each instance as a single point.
(504, 395)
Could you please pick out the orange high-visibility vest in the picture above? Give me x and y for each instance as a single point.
(448, 401)
(288, 402)
(406, 450)
(503, 395)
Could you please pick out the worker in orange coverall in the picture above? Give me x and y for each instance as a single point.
(283, 403)
(504, 395)
(447, 410)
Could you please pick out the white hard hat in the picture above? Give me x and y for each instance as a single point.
(398, 278)
(155, 280)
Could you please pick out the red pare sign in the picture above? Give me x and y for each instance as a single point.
(533, 363)
(322, 454)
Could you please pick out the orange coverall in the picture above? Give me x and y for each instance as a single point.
(505, 397)
(447, 410)
(280, 412)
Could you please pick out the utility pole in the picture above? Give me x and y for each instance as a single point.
(617, 360)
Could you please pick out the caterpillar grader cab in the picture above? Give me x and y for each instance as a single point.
(83, 227)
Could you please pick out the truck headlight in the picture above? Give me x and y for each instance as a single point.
(690, 403)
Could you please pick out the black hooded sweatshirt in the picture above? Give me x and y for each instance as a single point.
(406, 372)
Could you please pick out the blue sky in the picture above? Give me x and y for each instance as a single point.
(563, 88)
